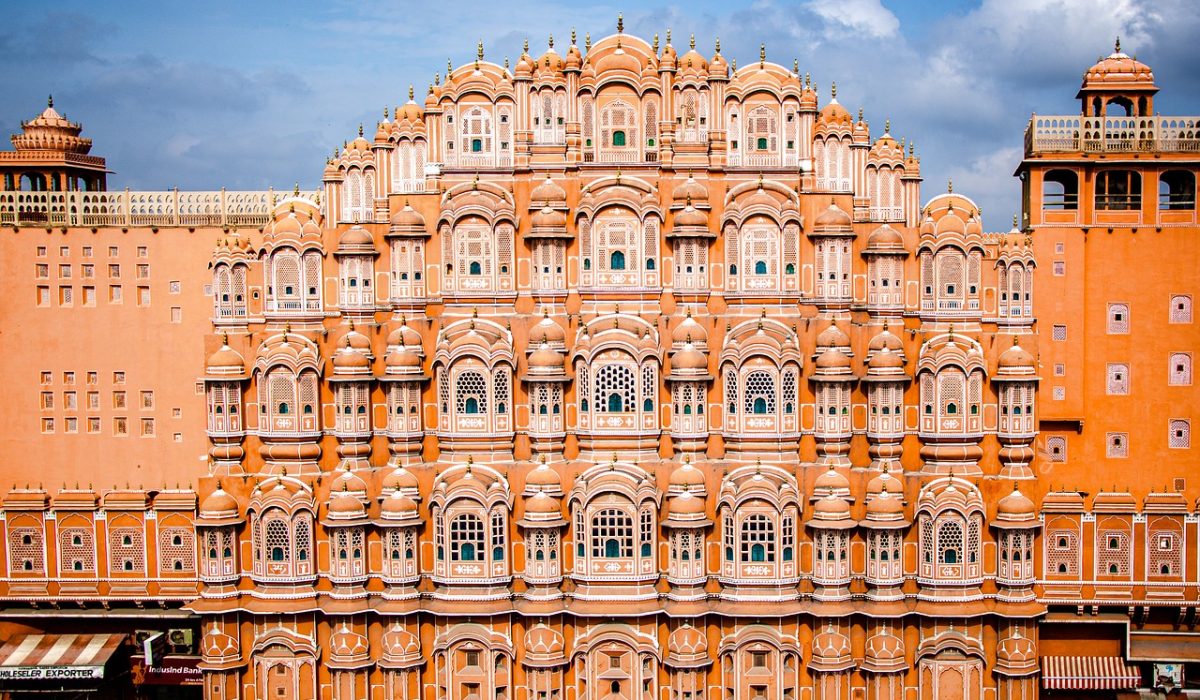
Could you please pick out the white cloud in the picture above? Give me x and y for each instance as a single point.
(987, 179)
(868, 16)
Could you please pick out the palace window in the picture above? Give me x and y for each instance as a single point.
(833, 163)
(77, 550)
(1062, 553)
(1113, 553)
(358, 192)
(1060, 190)
(26, 550)
(1180, 434)
(218, 562)
(283, 544)
(126, 550)
(1177, 190)
(1181, 308)
(1118, 379)
(1179, 371)
(1118, 190)
(176, 550)
(229, 290)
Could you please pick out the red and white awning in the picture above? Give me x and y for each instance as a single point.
(32, 657)
(1089, 673)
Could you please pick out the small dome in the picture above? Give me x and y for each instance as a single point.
(1017, 650)
(685, 477)
(1016, 506)
(548, 330)
(831, 647)
(834, 113)
(833, 359)
(402, 358)
(356, 237)
(686, 503)
(832, 217)
(885, 482)
(546, 358)
(689, 358)
(886, 360)
(218, 504)
(687, 641)
(694, 60)
(225, 360)
(344, 505)
(399, 643)
(398, 505)
(885, 506)
(689, 331)
(831, 481)
(544, 477)
(400, 479)
(886, 339)
(885, 238)
(542, 504)
(548, 217)
(690, 190)
(407, 221)
(347, 644)
(1118, 69)
(833, 337)
(541, 640)
(405, 335)
(1016, 357)
(831, 508)
(548, 191)
(691, 216)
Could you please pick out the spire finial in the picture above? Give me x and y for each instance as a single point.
(224, 338)
(525, 46)
(807, 79)
(1014, 220)
(655, 47)
(410, 92)
(551, 41)
(437, 79)
(950, 186)
(479, 50)
(360, 129)
(692, 41)
(620, 22)
(668, 36)
(887, 126)
(718, 45)
(833, 90)
(796, 66)
(587, 42)
(762, 53)
(572, 36)
(50, 98)
(911, 149)
(449, 68)
(385, 113)
(1116, 49)
(860, 114)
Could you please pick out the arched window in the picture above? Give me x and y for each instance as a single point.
(1177, 190)
(1118, 190)
(617, 260)
(1060, 190)
(950, 543)
(618, 138)
(612, 534)
(757, 539)
(466, 538)
(475, 268)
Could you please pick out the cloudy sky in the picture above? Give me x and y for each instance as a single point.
(247, 95)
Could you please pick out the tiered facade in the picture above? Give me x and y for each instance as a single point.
(619, 374)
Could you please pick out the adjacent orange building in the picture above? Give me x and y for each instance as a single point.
(618, 373)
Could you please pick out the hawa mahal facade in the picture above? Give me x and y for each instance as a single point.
(622, 373)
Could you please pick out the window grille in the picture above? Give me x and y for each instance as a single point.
(1118, 379)
(1116, 445)
(615, 391)
(1181, 308)
(1118, 319)
(1112, 553)
(77, 549)
(25, 551)
(1180, 434)
(126, 550)
(466, 538)
(176, 550)
(1180, 369)
(612, 534)
(1056, 449)
(758, 539)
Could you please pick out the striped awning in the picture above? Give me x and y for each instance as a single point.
(32, 657)
(1089, 673)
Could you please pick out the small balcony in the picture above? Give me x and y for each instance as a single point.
(1078, 134)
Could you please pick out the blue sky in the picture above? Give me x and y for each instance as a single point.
(250, 94)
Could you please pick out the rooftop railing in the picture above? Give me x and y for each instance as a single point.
(126, 208)
(1077, 134)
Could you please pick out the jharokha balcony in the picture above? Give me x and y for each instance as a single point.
(126, 208)
(1078, 134)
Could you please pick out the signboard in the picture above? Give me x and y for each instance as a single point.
(50, 673)
(154, 647)
(1168, 675)
(171, 670)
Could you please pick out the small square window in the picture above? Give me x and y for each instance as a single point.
(71, 424)
(70, 400)
(114, 270)
(114, 294)
(1060, 370)
(43, 296)
(93, 400)
(142, 251)
(93, 425)
(1058, 332)
(112, 251)
(47, 400)
(174, 286)
(118, 399)
(118, 377)
(143, 271)
(147, 400)
(178, 437)
(87, 251)
(1116, 445)
(64, 271)
(87, 271)
(47, 425)
(1060, 393)
(93, 377)
(1060, 247)
(147, 427)
(177, 413)
(66, 296)
(1180, 436)
(1060, 268)
(176, 314)
(41, 251)
(89, 296)
(64, 251)
(1118, 319)
(47, 377)
(143, 296)
(69, 378)
(41, 271)
(120, 426)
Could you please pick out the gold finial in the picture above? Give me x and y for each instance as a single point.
(572, 36)
(479, 50)
(1014, 341)
(385, 113)
(296, 189)
(410, 92)
(360, 129)
(718, 45)
(887, 126)
(1116, 49)
(911, 149)
(668, 36)
(796, 66)
(525, 46)
(733, 65)
(614, 458)
(1014, 220)
(620, 22)
(587, 42)
(655, 43)
(833, 90)
(692, 41)
(762, 53)
(551, 41)
(449, 68)
(860, 114)
(475, 182)
(950, 186)
(224, 338)
(437, 79)
(807, 79)
(506, 63)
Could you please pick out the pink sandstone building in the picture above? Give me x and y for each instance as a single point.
(621, 373)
